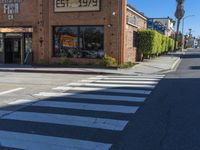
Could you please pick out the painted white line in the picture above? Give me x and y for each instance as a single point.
(96, 78)
(11, 91)
(92, 96)
(51, 94)
(124, 82)
(126, 79)
(86, 106)
(104, 90)
(22, 102)
(35, 142)
(113, 85)
(91, 122)
(64, 88)
(136, 76)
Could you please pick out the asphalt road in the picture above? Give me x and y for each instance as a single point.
(102, 112)
(170, 118)
(69, 112)
(27, 84)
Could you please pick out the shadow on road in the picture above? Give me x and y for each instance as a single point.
(21, 122)
(169, 117)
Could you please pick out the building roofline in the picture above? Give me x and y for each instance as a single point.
(136, 11)
(163, 18)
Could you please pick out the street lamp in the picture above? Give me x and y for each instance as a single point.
(183, 30)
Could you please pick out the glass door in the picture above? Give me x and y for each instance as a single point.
(12, 50)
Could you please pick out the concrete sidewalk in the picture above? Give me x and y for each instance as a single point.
(157, 65)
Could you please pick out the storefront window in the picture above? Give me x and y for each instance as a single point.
(91, 42)
(78, 41)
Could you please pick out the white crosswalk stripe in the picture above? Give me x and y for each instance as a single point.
(92, 96)
(105, 103)
(36, 142)
(66, 88)
(133, 76)
(109, 124)
(124, 82)
(86, 106)
(22, 102)
(113, 85)
(122, 79)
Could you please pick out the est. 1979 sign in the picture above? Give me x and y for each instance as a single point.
(76, 5)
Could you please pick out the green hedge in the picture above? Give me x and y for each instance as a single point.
(152, 43)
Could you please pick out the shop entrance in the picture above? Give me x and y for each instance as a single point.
(16, 45)
(12, 50)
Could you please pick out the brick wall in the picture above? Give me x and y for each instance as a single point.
(109, 16)
(40, 15)
(131, 49)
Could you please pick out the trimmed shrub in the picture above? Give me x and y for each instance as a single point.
(109, 61)
(152, 43)
(171, 44)
(146, 42)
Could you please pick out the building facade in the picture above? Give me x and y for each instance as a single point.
(162, 25)
(55, 31)
(135, 21)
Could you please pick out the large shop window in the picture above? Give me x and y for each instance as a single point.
(79, 41)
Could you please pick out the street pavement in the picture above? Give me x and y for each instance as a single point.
(169, 120)
(89, 114)
(86, 112)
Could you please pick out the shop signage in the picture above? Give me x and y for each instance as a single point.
(11, 7)
(76, 5)
(132, 20)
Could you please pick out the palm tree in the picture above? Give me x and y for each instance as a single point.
(179, 14)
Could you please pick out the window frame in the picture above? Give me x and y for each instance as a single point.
(78, 36)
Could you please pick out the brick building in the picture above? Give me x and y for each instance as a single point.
(54, 31)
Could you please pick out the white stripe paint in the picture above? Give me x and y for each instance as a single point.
(126, 79)
(64, 88)
(22, 102)
(91, 122)
(40, 142)
(113, 85)
(10, 91)
(103, 90)
(86, 106)
(92, 96)
(136, 76)
(124, 82)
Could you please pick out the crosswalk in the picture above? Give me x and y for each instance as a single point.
(87, 115)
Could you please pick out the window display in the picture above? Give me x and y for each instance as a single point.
(79, 41)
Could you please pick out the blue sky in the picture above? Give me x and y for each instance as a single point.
(164, 8)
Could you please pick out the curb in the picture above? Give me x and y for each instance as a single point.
(175, 64)
(56, 72)
(173, 67)
(86, 72)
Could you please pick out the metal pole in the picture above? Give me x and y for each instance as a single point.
(176, 36)
(183, 38)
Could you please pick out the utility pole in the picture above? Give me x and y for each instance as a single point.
(179, 14)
